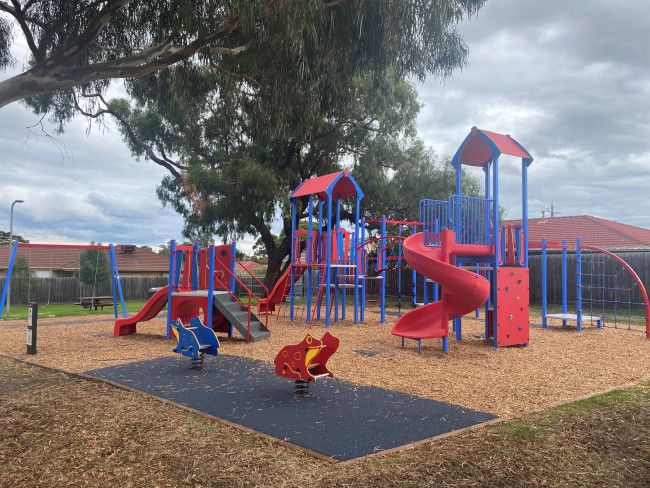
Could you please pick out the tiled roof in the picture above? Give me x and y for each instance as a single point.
(591, 230)
(252, 266)
(57, 258)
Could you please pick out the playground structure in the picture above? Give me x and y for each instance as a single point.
(116, 286)
(327, 256)
(306, 361)
(200, 298)
(462, 236)
(604, 281)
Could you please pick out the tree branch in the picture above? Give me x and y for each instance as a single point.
(20, 18)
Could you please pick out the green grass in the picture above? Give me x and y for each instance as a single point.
(19, 312)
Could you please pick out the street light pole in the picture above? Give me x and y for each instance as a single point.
(11, 238)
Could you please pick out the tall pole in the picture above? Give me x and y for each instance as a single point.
(11, 238)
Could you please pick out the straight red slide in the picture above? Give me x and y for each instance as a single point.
(462, 290)
(154, 305)
(280, 290)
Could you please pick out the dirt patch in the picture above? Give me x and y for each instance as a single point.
(557, 366)
(58, 431)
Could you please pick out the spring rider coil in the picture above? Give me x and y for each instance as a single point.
(306, 361)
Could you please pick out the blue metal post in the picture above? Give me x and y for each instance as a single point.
(319, 254)
(10, 268)
(292, 257)
(118, 283)
(170, 285)
(357, 260)
(544, 283)
(578, 286)
(337, 271)
(383, 269)
(425, 290)
(524, 210)
(564, 281)
(488, 274)
(399, 271)
(309, 246)
(414, 279)
(210, 286)
(495, 239)
(233, 267)
(328, 261)
(363, 260)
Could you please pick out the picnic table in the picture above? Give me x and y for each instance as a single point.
(95, 302)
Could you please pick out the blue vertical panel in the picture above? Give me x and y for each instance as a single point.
(544, 283)
(309, 246)
(578, 286)
(177, 271)
(292, 269)
(357, 260)
(10, 268)
(383, 269)
(195, 266)
(233, 252)
(328, 262)
(564, 281)
(170, 285)
(210, 287)
(495, 239)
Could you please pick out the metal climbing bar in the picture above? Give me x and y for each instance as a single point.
(434, 218)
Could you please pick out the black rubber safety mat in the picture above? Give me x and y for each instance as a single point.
(339, 419)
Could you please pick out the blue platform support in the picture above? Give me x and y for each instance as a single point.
(414, 278)
(210, 286)
(195, 266)
(578, 286)
(337, 271)
(308, 250)
(357, 260)
(319, 251)
(544, 284)
(564, 281)
(495, 237)
(10, 267)
(363, 260)
(328, 261)
(170, 285)
(383, 270)
(292, 271)
(115, 276)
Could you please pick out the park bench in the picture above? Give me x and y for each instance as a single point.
(95, 302)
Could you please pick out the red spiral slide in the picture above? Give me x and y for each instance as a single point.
(462, 290)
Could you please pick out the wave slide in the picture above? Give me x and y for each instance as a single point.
(154, 305)
(280, 290)
(462, 290)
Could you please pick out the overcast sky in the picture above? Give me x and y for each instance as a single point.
(569, 80)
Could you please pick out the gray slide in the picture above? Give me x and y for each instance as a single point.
(232, 310)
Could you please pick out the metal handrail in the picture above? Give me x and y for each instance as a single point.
(250, 294)
(266, 290)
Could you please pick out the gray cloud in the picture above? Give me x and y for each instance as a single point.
(570, 81)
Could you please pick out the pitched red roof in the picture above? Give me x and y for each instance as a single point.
(591, 230)
(67, 258)
(475, 150)
(344, 186)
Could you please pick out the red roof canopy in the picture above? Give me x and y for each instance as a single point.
(591, 230)
(340, 184)
(479, 147)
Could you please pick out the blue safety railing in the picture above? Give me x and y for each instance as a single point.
(434, 217)
(469, 217)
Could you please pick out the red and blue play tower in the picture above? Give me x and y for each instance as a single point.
(330, 259)
(464, 250)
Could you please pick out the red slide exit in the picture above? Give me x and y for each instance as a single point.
(280, 290)
(462, 290)
(154, 305)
